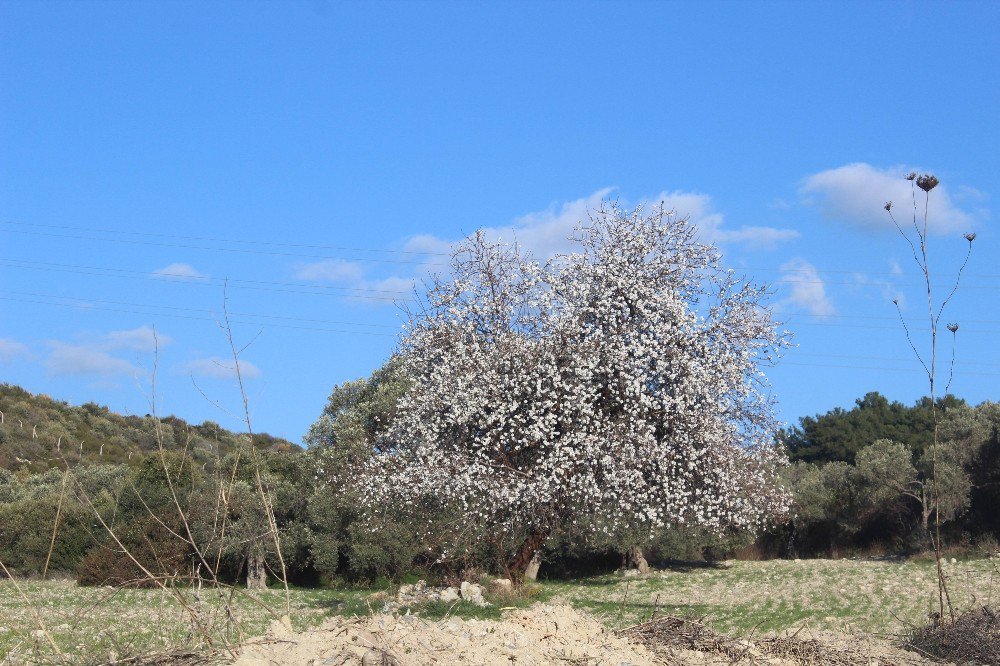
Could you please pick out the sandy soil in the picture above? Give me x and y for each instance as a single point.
(544, 634)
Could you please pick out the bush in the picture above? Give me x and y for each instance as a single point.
(150, 543)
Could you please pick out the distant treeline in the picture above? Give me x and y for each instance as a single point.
(860, 480)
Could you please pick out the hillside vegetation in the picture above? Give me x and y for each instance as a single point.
(37, 433)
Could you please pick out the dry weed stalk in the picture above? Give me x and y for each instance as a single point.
(207, 552)
(926, 183)
(264, 496)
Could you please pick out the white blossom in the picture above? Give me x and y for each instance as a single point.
(622, 381)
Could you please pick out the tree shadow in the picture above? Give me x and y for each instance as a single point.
(684, 566)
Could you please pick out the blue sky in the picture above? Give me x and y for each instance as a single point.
(321, 157)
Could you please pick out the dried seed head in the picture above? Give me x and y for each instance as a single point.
(911, 176)
(970, 237)
(953, 328)
(927, 182)
(888, 205)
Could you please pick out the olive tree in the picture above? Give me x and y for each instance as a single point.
(623, 380)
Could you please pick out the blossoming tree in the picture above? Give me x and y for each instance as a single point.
(621, 381)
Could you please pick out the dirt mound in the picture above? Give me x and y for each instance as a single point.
(545, 634)
(553, 634)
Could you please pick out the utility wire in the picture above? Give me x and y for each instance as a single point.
(81, 306)
(211, 239)
(419, 253)
(178, 278)
(87, 301)
(274, 253)
(879, 369)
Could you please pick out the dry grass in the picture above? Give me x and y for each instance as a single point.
(731, 602)
(738, 597)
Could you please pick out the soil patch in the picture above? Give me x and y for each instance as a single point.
(544, 634)
(555, 634)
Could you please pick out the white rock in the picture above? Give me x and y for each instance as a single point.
(473, 593)
(449, 594)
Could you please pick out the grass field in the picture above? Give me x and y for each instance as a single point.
(94, 624)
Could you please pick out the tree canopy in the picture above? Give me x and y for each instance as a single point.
(840, 433)
(623, 380)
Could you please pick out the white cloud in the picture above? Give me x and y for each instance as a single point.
(330, 270)
(394, 285)
(856, 194)
(698, 208)
(428, 244)
(68, 359)
(217, 368)
(888, 290)
(142, 339)
(11, 350)
(807, 289)
(544, 234)
(93, 355)
(180, 272)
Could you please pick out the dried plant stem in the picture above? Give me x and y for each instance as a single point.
(55, 525)
(261, 489)
(919, 250)
(34, 611)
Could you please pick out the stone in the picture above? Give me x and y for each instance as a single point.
(375, 657)
(449, 594)
(503, 584)
(473, 594)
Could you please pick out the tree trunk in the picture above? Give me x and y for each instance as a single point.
(636, 560)
(256, 573)
(526, 553)
(531, 572)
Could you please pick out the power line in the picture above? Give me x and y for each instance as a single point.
(415, 253)
(300, 255)
(361, 293)
(880, 369)
(179, 278)
(369, 333)
(211, 239)
(86, 301)
(958, 362)
(343, 248)
(81, 306)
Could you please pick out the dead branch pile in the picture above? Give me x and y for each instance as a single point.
(166, 658)
(973, 638)
(668, 634)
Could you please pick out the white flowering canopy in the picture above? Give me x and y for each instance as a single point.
(622, 381)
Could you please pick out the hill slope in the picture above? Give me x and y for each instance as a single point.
(37, 433)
